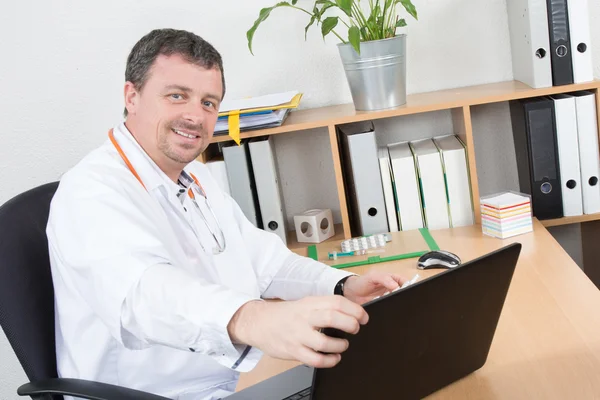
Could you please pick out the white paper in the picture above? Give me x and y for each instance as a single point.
(269, 100)
(505, 200)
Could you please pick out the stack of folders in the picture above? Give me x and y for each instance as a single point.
(256, 120)
(405, 185)
(556, 145)
(506, 214)
(259, 112)
(442, 172)
(550, 42)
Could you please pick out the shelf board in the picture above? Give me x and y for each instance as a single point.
(415, 103)
(294, 245)
(570, 220)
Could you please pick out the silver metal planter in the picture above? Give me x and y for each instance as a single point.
(377, 77)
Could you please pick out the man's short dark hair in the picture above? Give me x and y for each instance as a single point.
(169, 42)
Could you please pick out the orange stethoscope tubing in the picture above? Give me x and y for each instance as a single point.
(220, 247)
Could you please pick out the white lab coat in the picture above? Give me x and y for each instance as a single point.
(139, 302)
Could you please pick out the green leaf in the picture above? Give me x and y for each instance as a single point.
(312, 21)
(326, 2)
(328, 24)
(409, 7)
(315, 17)
(262, 15)
(363, 32)
(345, 5)
(375, 14)
(374, 30)
(294, 2)
(400, 23)
(380, 24)
(354, 38)
(326, 5)
(317, 14)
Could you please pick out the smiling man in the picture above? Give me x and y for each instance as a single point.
(160, 280)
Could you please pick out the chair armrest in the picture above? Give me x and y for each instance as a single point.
(84, 389)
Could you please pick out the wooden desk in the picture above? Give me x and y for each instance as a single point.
(547, 345)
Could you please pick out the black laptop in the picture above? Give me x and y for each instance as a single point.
(418, 339)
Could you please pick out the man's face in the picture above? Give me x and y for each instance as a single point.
(174, 115)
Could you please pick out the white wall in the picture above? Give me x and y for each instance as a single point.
(62, 66)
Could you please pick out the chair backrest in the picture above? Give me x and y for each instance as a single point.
(26, 290)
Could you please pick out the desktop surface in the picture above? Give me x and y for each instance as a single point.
(546, 344)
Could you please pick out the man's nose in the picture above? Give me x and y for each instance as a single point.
(195, 114)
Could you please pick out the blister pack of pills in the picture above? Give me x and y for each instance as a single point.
(364, 242)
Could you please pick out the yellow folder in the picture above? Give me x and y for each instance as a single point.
(234, 115)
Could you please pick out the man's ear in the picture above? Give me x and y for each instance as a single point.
(131, 97)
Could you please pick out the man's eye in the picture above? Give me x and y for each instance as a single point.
(176, 96)
(209, 104)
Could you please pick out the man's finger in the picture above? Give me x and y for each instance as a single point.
(349, 307)
(325, 344)
(317, 360)
(389, 282)
(334, 319)
(399, 279)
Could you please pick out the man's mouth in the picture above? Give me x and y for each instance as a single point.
(187, 135)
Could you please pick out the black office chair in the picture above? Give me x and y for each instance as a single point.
(27, 302)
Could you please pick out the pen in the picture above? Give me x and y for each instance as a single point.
(333, 255)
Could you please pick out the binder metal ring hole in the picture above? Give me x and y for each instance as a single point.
(372, 211)
(540, 53)
(546, 187)
(581, 47)
(324, 225)
(273, 225)
(305, 228)
(561, 50)
(571, 184)
(593, 181)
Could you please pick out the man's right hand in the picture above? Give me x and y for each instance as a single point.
(290, 329)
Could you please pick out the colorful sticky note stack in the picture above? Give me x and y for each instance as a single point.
(506, 214)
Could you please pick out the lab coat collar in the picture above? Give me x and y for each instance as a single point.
(150, 173)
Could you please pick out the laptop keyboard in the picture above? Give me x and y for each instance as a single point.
(303, 395)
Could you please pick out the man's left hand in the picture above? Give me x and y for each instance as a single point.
(363, 288)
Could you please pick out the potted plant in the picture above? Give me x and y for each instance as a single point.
(372, 53)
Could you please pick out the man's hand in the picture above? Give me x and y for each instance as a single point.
(361, 289)
(290, 329)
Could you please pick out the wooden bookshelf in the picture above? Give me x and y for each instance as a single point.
(458, 101)
(570, 220)
(415, 103)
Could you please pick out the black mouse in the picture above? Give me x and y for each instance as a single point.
(438, 259)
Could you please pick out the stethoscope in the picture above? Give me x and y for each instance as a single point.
(196, 186)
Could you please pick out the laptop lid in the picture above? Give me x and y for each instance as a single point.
(423, 337)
